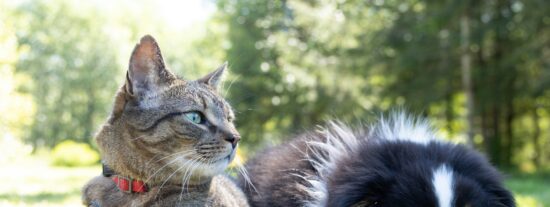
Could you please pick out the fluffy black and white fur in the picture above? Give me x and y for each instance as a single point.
(396, 162)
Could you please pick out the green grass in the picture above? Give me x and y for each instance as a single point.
(530, 190)
(34, 182)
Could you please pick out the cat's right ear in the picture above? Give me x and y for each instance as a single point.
(147, 72)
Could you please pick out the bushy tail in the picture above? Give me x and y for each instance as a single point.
(339, 141)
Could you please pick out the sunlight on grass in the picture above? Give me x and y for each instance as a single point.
(33, 182)
(530, 190)
(527, 201)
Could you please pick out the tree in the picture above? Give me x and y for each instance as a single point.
(72, 67)
(465, 62)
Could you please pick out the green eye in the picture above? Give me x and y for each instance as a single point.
(194, 117)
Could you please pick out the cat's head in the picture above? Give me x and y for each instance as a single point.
(166, 128)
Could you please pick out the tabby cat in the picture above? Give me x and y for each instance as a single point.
(167, 140)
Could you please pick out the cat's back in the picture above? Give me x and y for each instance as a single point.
(275, 173)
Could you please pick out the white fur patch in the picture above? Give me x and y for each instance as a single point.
(339, 142)
(402, 127)
(442, 182)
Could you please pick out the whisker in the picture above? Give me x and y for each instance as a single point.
(171, 155)
(165, 165)
(187, 176)
(170, 176)
(244, 173)
(188, 170)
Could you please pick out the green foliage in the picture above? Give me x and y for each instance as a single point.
(509, 70)
(293, 65)
(293, 60)
(72, 66)
(16, 108)
(71, 154)
(303, 62)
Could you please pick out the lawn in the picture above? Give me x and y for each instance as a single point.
(530, 190)
(33, 182)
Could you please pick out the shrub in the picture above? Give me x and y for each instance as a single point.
(71, 154)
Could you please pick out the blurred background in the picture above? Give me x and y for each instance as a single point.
(480, 70)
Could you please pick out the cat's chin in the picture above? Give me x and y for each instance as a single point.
(211, 169)
(207, 168)
(218, 166)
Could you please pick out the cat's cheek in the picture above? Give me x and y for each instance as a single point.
(159, 135)
(184, 131)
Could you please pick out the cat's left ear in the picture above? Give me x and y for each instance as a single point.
(214, 78)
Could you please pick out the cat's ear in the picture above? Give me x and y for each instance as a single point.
(147, 72)
(214, 78)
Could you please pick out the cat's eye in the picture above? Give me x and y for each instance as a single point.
(194, 116)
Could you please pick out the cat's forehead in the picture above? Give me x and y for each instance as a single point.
(201, 91)
(186, 96)
(192, 92)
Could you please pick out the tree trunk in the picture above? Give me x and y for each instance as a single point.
(445, 69)
(496, 142)
(465, 63)
(510, 116)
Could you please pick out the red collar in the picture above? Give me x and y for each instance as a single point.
(129, 185)
(125, 184)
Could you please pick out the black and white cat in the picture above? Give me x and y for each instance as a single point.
(396, 162)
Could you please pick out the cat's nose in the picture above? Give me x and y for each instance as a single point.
(233, 139)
